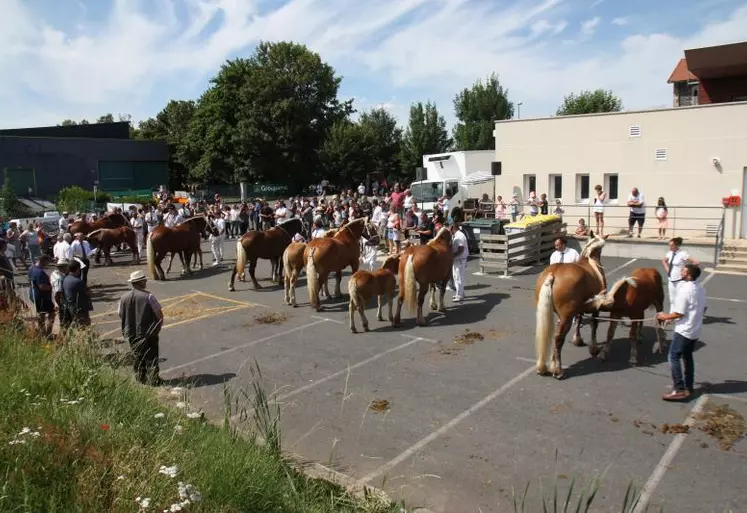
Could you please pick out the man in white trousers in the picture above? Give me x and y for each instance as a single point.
(216, 238)
(460, 251)
(137, 225)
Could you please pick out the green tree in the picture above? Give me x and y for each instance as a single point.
(172, 126)
(106, 118)
(76, 199)
(477, 108)
(12, 207)
(346, 154)
(384, 141)
(590, 102)
(426, 134)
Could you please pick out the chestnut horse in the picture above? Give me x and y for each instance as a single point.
(105, 238)
(567, 290)
(108, 221)
(199, 224)
(333, 254)
(424, 267)
(630, 297)
(268, 245)
(183, 239)
(363, 285)
(293, 263)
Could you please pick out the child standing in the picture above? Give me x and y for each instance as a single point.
(662, 214)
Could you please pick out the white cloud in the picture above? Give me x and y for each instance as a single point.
(595, 3)
(622, 21)
(588, 27)
(394, 51)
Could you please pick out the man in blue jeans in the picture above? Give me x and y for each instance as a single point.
(687, 314)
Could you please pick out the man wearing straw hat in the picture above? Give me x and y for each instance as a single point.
(142, 318)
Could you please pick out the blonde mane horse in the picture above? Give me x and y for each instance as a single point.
(423, 268)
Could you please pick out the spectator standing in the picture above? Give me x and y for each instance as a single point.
(6, 267)
(513, 206)
(142, 318)
(558, 210)
(662, 214)
(394, 225)
(216, 238)
(138, 226)
(397, 200)
(63, 223)
(500, 209)
(637, 204)
(62, 249)
(77, 296)
(674, 262)
(687, 314)
(41, 295)
(81, 250)
(544, 206)
(533, 204)
(598, 208)
(361, 189)
(460, 251)
(58, 275)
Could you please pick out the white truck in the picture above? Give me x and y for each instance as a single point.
(50, 221)
(445, 173)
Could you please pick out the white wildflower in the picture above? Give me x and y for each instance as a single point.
(22, 390)
(169, 471)
(35, 434)
(181, 405)
(194, 415)
(24, 431)
(35, 404)
(143, 502)
(178, 429)
(174, 508)
(187, 492)
(80, 399)
(159, 415)
(120, 478)
(28, 394)
(63, 400)
(16, 442)
(74, 401)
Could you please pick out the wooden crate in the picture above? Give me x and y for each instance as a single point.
(530, 247)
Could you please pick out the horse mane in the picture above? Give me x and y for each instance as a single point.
(189, 219)
(116, 214)
(438, 237)
(296, 219)
(596, 242)
(95, 232)
(389, 259)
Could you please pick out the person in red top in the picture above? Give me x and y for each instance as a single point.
(398, 200)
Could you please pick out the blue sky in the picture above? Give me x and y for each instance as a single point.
(83, 58)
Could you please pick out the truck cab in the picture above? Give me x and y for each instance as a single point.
(427, 193)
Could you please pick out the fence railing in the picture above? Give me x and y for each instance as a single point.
(531, 246)
(686, 221)
(719, 240)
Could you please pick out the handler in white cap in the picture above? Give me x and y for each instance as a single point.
(142, 318)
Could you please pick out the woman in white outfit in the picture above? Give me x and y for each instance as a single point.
(675, 259)
(599, 208)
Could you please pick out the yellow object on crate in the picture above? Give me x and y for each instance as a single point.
(529, 221)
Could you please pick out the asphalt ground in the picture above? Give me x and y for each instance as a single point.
(466, 424)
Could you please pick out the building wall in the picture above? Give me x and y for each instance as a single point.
(722, 90)
(601, 147)
(58, 163)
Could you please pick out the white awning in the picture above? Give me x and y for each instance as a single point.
(477, 177)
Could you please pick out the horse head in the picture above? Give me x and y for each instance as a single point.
(292, 226)
(116, 219)
(593, 248)
(442, 237)
(199, 224)
(355, 227)
(391, 263)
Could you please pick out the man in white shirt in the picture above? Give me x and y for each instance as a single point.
(216, 239)
(63, 223)
(637, 204)
(137, 226)
(460, 250)
(687, 314)
(81, 250)
(61, 249)
(563, 254)
(674, 261)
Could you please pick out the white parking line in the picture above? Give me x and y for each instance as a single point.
(243, 346)
(707, 278)
(727, 299)
(446, 427)
(344, 371)
(666, 460)
(326, 319)
(626, 264)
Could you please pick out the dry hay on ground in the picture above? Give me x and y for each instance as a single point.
(190, 307)
(468, 337)
(270, 318)
(722, 423)
(379, 405)
(674, 429)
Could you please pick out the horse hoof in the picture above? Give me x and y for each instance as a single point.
(593, 351)
(578, 342)
(560, 375)
(257, 286)
(441, 310)
(366, 329)
(543, 372)
(634, 362)
(353, 330)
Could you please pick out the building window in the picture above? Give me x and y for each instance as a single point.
(582, 187)
(611, 185)
(555, 187)
(530, 184)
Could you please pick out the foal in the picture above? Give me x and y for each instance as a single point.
(364, 284)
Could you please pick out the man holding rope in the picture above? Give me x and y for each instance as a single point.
(687, 314)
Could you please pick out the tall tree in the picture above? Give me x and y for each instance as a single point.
(172, 125)
(106, 118)
(477, 108)
(426, 134)
(12, 207)
(590, 102)
(384, 140)
(347, 153)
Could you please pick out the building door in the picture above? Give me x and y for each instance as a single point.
(744, 203)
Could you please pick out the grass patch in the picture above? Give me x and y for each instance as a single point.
(78, 435)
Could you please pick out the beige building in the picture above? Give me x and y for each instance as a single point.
(691, 156)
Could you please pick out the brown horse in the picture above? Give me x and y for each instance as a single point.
(567, 290)
(107, 221)
(268, 245)
(293, 264)
(333, 254)
(363, 285)
(425, 267)
(630, 297)
(199, 224)
(183, 239)
(105, 238)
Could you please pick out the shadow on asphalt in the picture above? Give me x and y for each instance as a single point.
(730, 386)
(470, 311)
(710, 319)
(200, 380)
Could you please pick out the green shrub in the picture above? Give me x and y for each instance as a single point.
(77, 199)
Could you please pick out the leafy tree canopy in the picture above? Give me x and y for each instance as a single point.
(477, 108)
(590, 102)
(426, 134)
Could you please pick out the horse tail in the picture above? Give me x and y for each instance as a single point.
(312, 280)
(151, 253)
(410, 285)
(240, 259)
(353, 291)
(544, 322)
(286, 262)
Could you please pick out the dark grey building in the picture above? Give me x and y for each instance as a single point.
(44, 160)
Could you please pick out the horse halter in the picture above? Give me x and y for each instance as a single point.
(278, 226)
